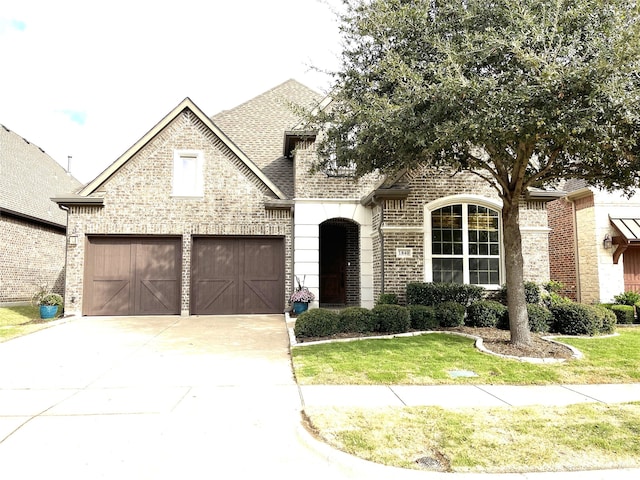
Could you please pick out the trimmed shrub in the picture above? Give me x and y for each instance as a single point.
(625, 314)
(423, 317)
(318, 322)
(356, 320)
(606, 318)
(575, 319)
(532, 294)
(387, 299)
(391, 318)
(627, 298)
(433, 293)
(540, 318)
(450, 314)
(485, 313)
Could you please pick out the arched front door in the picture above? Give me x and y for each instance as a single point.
(339, 263)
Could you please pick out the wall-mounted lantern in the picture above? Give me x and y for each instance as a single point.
(607, 243)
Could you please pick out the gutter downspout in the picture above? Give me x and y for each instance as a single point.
(66, 254)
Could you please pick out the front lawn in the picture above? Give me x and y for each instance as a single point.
(428, 359)
(525, 439)
(18, 321)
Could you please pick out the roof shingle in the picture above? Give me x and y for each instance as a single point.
(29, 178)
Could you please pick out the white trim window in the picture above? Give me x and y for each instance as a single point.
(465, 245)
(188, 173)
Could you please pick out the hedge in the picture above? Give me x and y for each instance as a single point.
(625, 314)
(575, 319)
(433, 293)
(356, 320)
(318, 322)
(485, 313)
(423, 317)
(391, 318)
(450, 314)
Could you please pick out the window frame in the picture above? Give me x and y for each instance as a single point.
(465, 201)
(195, 189)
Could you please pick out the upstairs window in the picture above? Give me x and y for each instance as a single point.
(188, 174)
(465, 245)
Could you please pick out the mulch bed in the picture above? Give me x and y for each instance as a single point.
(494, 340)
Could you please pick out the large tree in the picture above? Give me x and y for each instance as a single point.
(520, 92)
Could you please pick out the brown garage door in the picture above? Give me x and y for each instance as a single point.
(132, 276)
(237, 275)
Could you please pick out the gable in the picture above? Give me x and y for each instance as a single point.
(29, 178)
(163, 135)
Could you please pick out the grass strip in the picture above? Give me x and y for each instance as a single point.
(525, 439)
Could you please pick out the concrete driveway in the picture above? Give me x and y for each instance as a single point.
(152, 398)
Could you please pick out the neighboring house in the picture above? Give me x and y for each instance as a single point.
(595, 243)
(220, 215)
(32, 227)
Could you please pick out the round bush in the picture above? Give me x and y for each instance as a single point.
(575, 319)
(625, 314)
(318, 322)
(606, 318)
(356, 320)
(387, 299)
(450, 314)
(485, 313)
(391, 318)
(423, 317)
(540, 318)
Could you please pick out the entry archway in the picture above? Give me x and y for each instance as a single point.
(339, 263)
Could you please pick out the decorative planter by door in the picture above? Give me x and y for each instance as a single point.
(48, 311)
(299, 307)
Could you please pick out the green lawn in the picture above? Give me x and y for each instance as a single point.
(427, 359)
(18, 321)
(526, 439)
(577, 437)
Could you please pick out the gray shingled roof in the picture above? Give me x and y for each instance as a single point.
(257, 127)
(29, 178)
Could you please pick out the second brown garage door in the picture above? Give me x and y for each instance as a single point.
(132, 276)
(232, 275)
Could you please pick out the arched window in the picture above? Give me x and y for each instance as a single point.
(465, 245)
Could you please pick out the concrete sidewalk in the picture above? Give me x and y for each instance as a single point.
(461, 396)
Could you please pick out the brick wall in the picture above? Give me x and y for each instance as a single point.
(138, 201)
(403, 227)
(562, 247)
(32, 255)
(321, 185)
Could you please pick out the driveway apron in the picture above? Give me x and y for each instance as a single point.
(152, 398)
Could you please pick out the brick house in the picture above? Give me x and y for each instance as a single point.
(594, 242)
(220, 215)
(32, 227)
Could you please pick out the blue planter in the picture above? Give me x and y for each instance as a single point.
(48, 311)
(299, 307)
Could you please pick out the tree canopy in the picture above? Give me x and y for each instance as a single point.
(522, 93)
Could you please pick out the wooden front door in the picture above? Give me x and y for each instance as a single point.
(333, 264)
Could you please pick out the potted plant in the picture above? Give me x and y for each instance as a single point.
(48, 302)
(301, 298)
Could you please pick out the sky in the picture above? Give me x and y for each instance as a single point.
(89, 79)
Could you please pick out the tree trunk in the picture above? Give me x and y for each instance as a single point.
(514, 264)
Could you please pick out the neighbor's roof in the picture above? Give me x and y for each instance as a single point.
(258, 127)
(29, 178)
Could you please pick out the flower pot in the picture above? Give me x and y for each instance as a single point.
(48, 311)
(299, 307)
